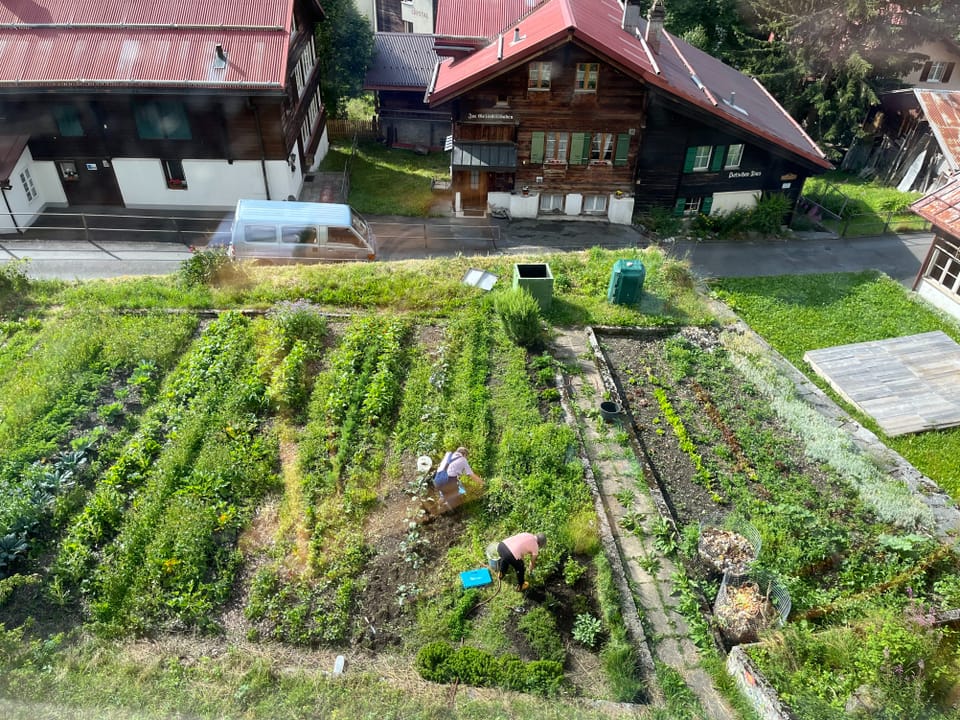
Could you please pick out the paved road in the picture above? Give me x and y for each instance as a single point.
(72, 254)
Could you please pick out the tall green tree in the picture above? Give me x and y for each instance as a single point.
(345, 50)
(825, 60)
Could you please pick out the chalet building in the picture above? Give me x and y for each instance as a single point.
(172, 104)
(911, 140)
(937, 71)
(939, 278)
(401, 70)
(581, 107)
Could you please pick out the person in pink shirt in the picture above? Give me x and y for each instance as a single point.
(513, 549)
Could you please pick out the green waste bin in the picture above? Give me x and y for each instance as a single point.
(538, 281)
(626, 282)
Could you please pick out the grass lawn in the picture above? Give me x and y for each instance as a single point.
(805, 312)
(376, 167)
(867, 208)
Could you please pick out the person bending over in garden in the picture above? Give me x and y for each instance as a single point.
(447, 480)
(513, 549)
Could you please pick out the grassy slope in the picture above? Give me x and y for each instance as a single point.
(800, 313)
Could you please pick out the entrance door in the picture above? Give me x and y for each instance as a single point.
(473, 189)
(89, 182)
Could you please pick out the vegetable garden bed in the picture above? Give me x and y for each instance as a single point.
(853, 548)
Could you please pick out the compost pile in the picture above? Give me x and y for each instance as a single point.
(726, 551)
(742, 611)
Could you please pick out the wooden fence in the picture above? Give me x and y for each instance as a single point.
(348, 129)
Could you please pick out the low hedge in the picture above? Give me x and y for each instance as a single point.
(439, 662)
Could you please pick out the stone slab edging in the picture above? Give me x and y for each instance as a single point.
(755, 686)
(628, 606)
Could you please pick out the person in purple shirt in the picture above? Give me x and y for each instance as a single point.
(513, 549)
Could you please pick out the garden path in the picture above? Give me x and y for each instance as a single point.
(644, 572)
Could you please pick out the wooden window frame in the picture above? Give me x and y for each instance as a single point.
(588, 77)
(538, 76)
(556, 148)
(601, 148)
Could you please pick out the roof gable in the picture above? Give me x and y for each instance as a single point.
(677, 69)
(942, 110)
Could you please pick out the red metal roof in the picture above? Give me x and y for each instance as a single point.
(942, 110)
(140, 42)
(678, 69)
(942, 208)
(479, 18)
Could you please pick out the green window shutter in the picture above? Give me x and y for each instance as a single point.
(679, 206)
(690, 159)
(706, 205)
(623, 147)
(536, 148)
(585, 151)
(719, 153)
(576, 148)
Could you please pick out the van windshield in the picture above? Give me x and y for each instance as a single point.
(359, 224)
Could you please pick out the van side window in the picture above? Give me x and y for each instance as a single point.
(345, 236)
(259, 233)
(298, 234)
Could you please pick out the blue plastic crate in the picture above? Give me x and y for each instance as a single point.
(475, 578)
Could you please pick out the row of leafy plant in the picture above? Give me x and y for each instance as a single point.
(342, 452)
(154, 544)
(70, 383)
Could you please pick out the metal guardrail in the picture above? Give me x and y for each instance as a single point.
(185, 229)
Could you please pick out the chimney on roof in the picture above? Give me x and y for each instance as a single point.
(655, 26)
(219, 57)
(631, 16)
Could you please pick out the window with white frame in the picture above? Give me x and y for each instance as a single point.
(691, 206)
(601, 147)
(555, 147)
(734, 156)
(539, 78)
(594, 203)
(28, 186)
(587, 77)
(701, 159)
(551, 202)
(944, 268)
(937, 71)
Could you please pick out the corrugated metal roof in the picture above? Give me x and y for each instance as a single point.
(479, 18)
(50, 43)
(942, 110)
(209, 13)
(942, 208)
(678, 69)
(401, 61)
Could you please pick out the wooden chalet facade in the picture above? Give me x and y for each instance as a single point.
(938, 280)
(581, 108)
(157, 107)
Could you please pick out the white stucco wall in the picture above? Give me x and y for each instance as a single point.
(573, 204)
(937, 52)
(939, 298)
(418, 12)
(23, 211)
(211, 184)
(368, 9)
(727, 201)
(621, 210)
(524, 206)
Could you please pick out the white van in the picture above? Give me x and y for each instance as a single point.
(279, 232)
